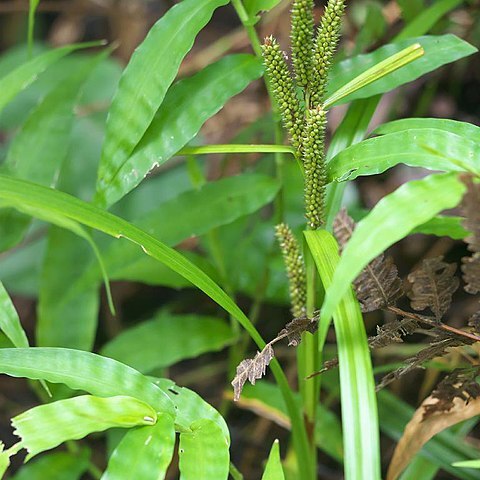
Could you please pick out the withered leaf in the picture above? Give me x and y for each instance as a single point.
(432, 286)
(294, 329)
(471, 212)
(420, 429)
(471, 273)
(474, 322)
(251, 370)
(378, 285)
(461, 383)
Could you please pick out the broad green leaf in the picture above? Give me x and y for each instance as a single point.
(357, 384)
(443, 226)
(428, 17)
(39, 148)
(426, 148)
(190, 406)
(145, 81)
(462, 129)
(422, 468)
(411, 8)
(47, 426)
(9, 321)
(4, 460)
(58, 466)
(14, 82)
(203, 452)
(22, 194)
(167, 339)
(187, 105)
(439, 50)
(85, 371)
(443, 450)
(273, 469)
(394, 217)
(144, 453)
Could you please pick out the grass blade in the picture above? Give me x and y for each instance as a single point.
(9, 321)
(394, 217)
(357, 385)
(273, 468)
(145, 81)
(144, 453)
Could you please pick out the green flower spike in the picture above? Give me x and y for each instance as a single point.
(315, 167)
(325, 45)
(295, 269)
(284, 89)
(302, 40)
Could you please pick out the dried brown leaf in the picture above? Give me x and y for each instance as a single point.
(419, 430)
(432, 286)
(471, 273)
(251, 370)
(378, 285)
(471, 212)
(474, 322)
(294, 329)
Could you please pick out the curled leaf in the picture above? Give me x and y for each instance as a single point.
(433, 285)
(252, 369)
(378, 285)
(420, 429)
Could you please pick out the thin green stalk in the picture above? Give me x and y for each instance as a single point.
(231, 148)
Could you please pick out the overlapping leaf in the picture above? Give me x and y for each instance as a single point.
(9, 322)
(144, 83)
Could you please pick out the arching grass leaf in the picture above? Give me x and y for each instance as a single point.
(9, 321)
(187, 105)
(357, 384)
(203, 452)
(143, 452)
(390, 220)
(85, 371)
(426, 148)
(47, 426)
(443, 226)
(439, 50)
(145, 81)
(167, 339)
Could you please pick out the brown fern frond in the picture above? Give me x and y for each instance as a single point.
(432, 286)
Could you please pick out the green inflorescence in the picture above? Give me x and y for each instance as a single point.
(314, 167)
(325, 46)
(306, 121)
(302, 41)
(295, 269)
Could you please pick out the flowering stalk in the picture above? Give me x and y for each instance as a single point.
(295, 267)
(302, 41)
(284, 89)
(326, 44)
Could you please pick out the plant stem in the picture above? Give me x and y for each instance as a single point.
(229, 148)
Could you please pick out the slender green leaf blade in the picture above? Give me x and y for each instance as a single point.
(203, 452)
(394, 217)
(273, 469)
(145, 82)
(143, 453)
(468, 464)
(439, 50)
(85, 371)
(60, 466)
(462, 129)
(167, 339)
(187, 105)
(9, 321)
(16, 81)
(357, 384)
(47, 426)
(425, 148)
(31, 23)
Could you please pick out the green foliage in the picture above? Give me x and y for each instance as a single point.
(273, 468)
